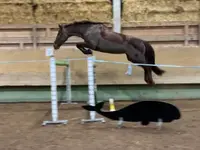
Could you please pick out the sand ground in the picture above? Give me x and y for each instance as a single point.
(20, 128)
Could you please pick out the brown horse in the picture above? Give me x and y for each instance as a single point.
(100, 38)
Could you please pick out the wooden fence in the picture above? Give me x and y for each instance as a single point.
(39, 36)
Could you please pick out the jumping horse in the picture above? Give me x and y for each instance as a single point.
(98, 37)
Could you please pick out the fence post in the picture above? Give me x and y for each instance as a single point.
(186, 42)
(117, 16)
(199, 35)
(34, 36)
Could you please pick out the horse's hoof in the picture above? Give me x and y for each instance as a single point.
(150, 83)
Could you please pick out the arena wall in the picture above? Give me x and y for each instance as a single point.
(37, 73)
(57, 11)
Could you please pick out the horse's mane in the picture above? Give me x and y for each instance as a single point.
(84, 22)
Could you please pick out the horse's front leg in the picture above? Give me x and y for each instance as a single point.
(82, 47)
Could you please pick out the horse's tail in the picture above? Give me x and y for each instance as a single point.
(94, 108)
(150, 56)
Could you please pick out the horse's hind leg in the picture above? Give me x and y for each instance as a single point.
(139, 58)
(148, 75)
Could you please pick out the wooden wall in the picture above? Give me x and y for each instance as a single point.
(37, 73)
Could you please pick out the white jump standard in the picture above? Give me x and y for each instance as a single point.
(54, 101)
(91, 91)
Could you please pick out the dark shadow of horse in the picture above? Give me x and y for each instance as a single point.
(98, 37)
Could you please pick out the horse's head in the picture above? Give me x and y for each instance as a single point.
(61, 37)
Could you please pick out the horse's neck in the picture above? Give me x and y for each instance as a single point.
(75, 34)
(77, 31)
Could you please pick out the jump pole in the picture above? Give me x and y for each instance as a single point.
(117, 25)
(54, 99)
(92, 89)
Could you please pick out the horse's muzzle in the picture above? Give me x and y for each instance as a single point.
(55, 46)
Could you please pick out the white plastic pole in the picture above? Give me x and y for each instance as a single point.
(117, 16)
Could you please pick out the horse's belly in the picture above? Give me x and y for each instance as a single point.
(111, 47)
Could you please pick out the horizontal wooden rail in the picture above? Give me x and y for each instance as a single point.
(131, 24)
(49, 40)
